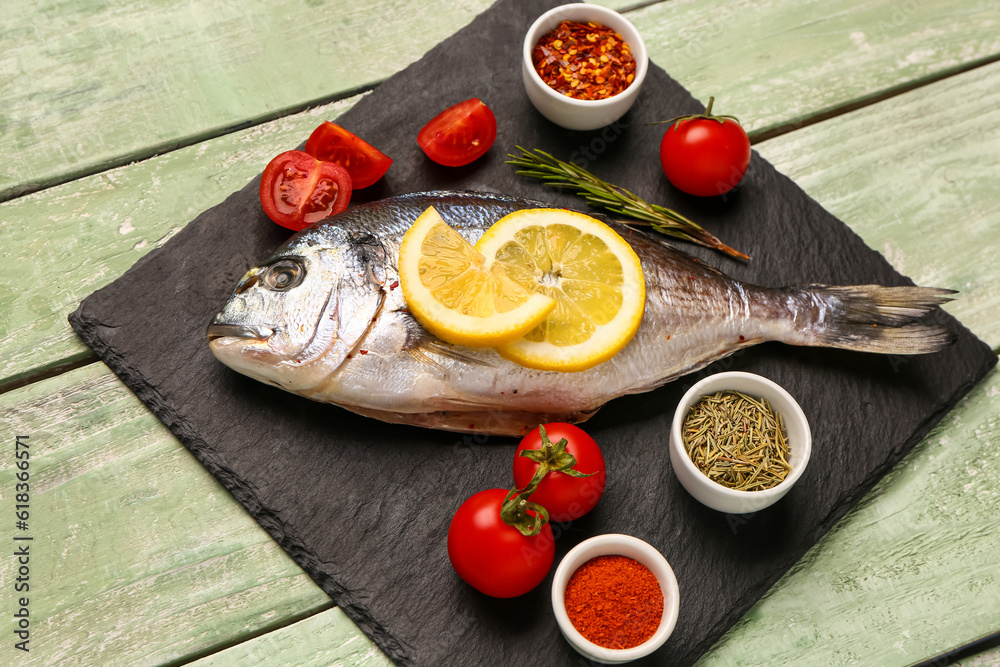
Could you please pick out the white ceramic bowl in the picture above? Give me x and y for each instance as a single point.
(566, 111)
(719, 497)
(630, 547)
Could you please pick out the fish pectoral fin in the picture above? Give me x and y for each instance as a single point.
(419, 355)
(423, 353)
(421, 345)
(447, 350)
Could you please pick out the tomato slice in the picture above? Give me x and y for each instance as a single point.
(332, 143)
(297, 190)
(459, 134)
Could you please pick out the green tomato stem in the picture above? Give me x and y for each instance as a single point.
(550, 458)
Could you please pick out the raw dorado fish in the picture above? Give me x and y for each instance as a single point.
(324, 317)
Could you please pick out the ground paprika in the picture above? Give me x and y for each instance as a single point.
(614, 601)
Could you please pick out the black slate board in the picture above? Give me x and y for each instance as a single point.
(364, 507)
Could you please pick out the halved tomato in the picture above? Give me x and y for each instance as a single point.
(459, 134)
(365, 163)
(297, 190)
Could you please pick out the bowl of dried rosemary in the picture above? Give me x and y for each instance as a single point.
(739, 442)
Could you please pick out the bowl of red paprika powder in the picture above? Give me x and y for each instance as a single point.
(583, 65)
(615, 598)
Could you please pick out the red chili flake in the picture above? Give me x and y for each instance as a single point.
(362, 351)
(742, 338)
(472, 427)
(586, 61)
(394, 285)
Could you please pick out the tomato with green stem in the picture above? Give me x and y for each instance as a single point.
(705, 154)
(500, 543)
(564, 466)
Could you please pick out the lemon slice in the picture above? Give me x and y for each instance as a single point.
(456, 294)
(590, 271)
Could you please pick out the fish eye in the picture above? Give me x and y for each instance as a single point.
(283, 275)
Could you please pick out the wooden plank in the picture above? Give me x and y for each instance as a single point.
(328, 638)
(72, 239)
(89, 86)
(910, 573)
(780, 63)
(61, 244)
(139, 556)
(989, 657)
(915, 176)
(173, 74)
(33, 256)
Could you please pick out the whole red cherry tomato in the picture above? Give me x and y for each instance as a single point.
(567, 495)
(332, 143)
(705, 155)
(297, 190)
(459, 134)
(493, 557)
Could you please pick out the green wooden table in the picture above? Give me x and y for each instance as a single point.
(122, 120)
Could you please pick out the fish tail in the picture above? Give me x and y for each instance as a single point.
(874, 318)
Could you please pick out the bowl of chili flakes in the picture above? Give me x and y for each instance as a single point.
(583, 65)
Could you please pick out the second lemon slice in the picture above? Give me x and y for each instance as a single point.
(590, 271)
(456, 294)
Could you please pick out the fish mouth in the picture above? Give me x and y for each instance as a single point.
(244, 331)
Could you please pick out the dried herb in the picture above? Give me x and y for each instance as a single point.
(559, 174)
(737, 441)
(586, 61)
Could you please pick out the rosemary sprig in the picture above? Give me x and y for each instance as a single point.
(559, 174)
